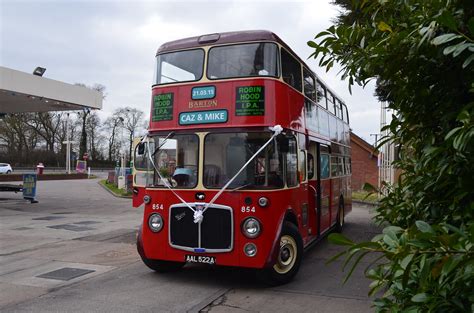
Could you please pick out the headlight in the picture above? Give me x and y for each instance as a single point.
(250, 249)
(263, 202)
(251, 227)
(155, 222)
(146, 199)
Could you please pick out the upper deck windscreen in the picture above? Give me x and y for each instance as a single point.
(180, 66)
(243, 60)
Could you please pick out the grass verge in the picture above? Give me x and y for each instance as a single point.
(364, 196)
(112, 188)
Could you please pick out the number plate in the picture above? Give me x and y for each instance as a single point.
(200, 259)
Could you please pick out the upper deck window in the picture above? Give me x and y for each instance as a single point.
(180, 66)
(309, 85)
(243, 60)
(291, 70)
(321, 94)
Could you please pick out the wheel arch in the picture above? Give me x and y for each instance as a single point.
(288, 216)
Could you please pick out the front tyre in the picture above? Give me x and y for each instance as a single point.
(289, 257)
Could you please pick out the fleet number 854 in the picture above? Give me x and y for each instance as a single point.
(247, 209)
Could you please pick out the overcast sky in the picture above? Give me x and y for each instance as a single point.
(113, 43)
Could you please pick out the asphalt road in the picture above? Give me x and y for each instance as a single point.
(78, 225)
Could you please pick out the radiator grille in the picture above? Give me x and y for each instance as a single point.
(214, 234)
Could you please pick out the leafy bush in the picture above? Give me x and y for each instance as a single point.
(421, 54)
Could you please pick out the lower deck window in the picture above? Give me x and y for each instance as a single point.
(226, 153)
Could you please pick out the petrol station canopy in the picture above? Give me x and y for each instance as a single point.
(22, 92)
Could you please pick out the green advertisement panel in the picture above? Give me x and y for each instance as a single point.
(162, 107)
(250, 100)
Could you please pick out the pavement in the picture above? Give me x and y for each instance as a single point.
(74, 251)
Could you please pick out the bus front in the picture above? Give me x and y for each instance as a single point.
(218, 173)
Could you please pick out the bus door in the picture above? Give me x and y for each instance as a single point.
(324, 186)
(313, 190)
(336, 186)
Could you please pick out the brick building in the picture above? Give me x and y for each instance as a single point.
(364, 163)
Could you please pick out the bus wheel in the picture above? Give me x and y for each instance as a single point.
(289, 257)
(340, 217)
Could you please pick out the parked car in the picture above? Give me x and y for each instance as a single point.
(5, 168)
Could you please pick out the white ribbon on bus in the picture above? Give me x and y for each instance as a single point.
(198, 213)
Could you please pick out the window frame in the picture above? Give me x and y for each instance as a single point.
(221, 131)
(311, 75)
(324, 88)
(198, 156)
(321, 155)
(187, 81)
(278, 61)
(300, 89)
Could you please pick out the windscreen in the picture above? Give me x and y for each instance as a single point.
(180, 66)
(176, 158)
(226, 153)
(243, 60)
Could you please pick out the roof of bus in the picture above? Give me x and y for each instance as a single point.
(233, 37)
(222, 38)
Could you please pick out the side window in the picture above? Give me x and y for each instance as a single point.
(332, 127)
(346, 114)
(324, 158)
(309, 85)
(310, 166)
(311, 115)
(331, 106)
(323, 119)
(302, 157)
(340, 166)
(291, 163)
(291, 70)
(302, 165)
(321, 95)
(341, 111)
(334, 166)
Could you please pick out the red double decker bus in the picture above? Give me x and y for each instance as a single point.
(247, 158)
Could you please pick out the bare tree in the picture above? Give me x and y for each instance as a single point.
(112, 126)
(16, 135)
(92, 129)
(133, 120)
(46, 125)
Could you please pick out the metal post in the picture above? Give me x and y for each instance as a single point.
(68, 147)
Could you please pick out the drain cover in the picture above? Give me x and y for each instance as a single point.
(71, 227)
(87, 222)
(22, 228)
(47, 218)
(66, 273)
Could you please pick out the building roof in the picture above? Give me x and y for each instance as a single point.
(23, 92)
(363, 144)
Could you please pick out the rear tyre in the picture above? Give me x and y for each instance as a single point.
(289, 258)
(8, 172)
(157, 265)
(340, 217)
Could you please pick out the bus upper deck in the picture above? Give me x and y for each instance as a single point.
(240, 79)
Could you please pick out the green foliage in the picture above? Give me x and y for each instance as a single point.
(115, 190)
(421, 54)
